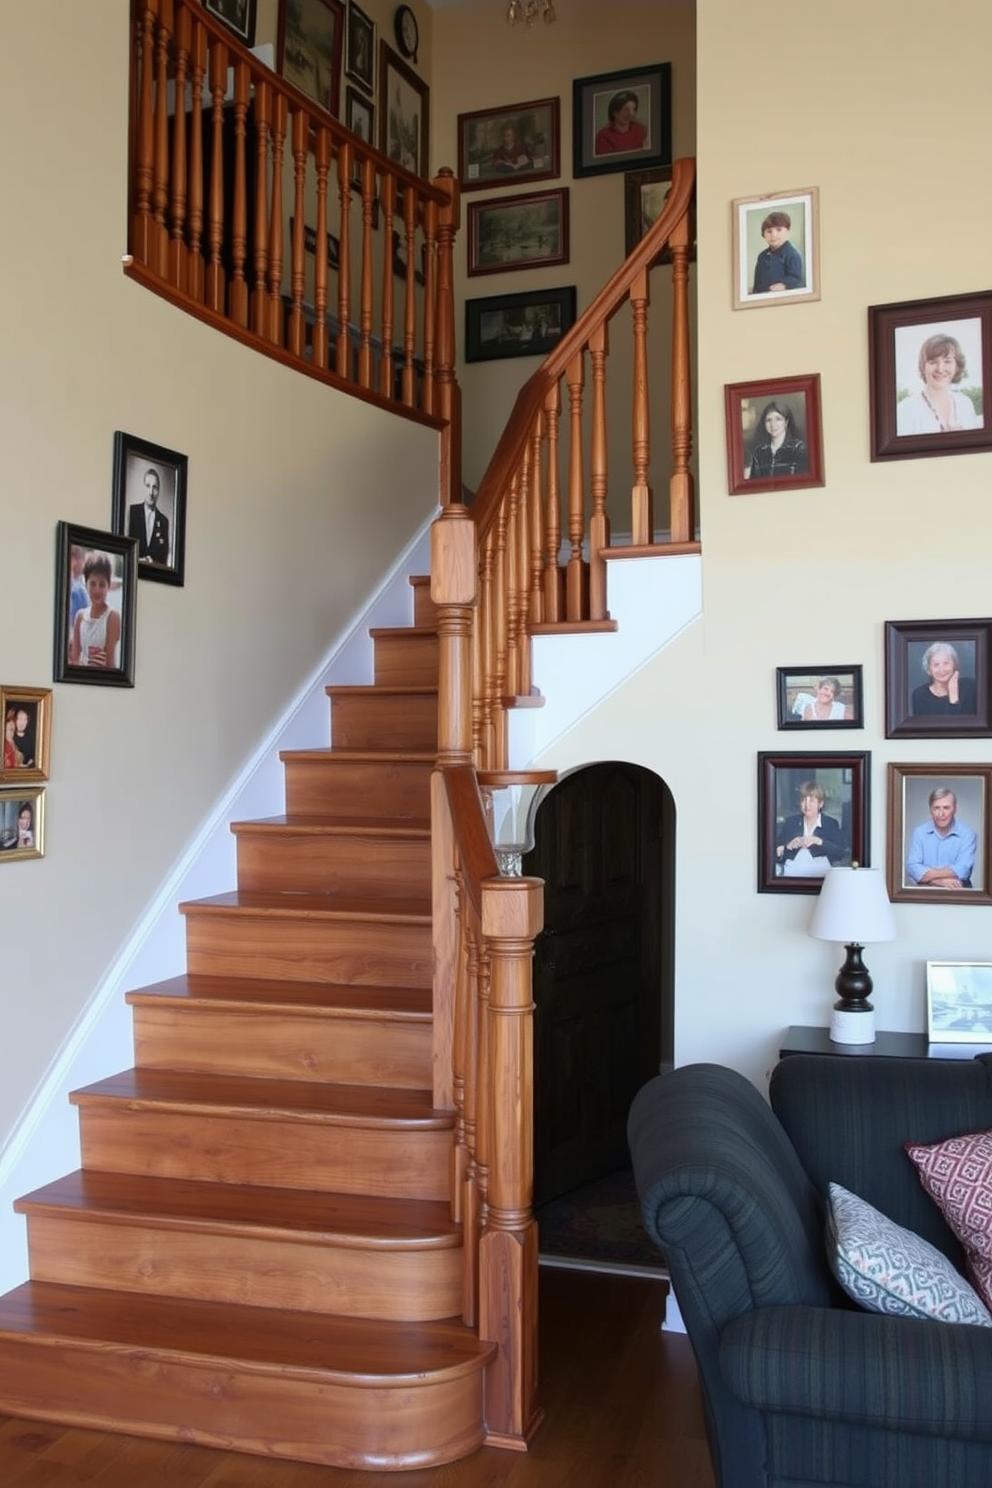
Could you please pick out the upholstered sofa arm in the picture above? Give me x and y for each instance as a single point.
(901, 1374)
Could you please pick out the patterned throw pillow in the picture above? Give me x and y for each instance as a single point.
(957, 1174)
(889, 1269)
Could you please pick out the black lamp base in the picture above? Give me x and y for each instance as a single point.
(853, 1017)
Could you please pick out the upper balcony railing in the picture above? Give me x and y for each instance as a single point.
(251, 207)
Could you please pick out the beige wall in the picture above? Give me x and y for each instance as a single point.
(287, 533)
(890, 116)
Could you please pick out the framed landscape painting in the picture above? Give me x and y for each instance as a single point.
(518, 232)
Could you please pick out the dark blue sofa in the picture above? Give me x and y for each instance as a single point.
(801, 1386)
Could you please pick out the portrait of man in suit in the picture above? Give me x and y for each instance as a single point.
(147, 523)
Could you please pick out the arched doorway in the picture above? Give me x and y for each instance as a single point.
(603, 965)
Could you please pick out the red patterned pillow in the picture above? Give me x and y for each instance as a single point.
(957, 1174)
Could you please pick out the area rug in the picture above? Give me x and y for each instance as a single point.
(598, 1225)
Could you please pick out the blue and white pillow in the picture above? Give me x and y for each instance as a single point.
(889, 1269)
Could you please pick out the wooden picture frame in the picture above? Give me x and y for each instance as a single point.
(309, 45)
(609, 105)
(959, 1002)
(645, 194)
(518, 232)
(827, 697)
(956, 657)
(519, 142)
(27, 734)
(78, 659)
(149, 504)
(918, 794)
(930, 371)
(360, 39)
(237, 15)
(785, 864)
(22, 824)
(791, 252)
(404, 113)
(528, 324)
(758, 414)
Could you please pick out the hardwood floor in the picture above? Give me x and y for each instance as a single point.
(622, 1401)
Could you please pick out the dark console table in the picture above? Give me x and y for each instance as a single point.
(802, 1040)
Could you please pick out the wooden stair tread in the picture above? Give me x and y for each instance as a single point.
(396, 1004)
(574, 627)
(409, 828)
(264, 1340)
(369, 1223)
(384, 631)
(313, 906)
(301, 1100)
(379, 689)
(372, 756)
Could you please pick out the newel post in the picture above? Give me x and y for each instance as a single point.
(449, 393)
(512, 915)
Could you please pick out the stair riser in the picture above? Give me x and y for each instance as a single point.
(425, 611)
(270, 1152)
(272, 862)
(384, 721)
(240, 1407)
(367, 954)
(405, 660)
(328, 1050)
(207, 1265)
(358, 789)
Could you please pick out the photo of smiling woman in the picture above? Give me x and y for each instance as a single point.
(936, 390)
(777, 447)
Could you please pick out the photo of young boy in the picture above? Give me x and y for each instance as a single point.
(778, 266)
(774, 249)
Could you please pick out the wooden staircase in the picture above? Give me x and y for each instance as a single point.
(258, 1251)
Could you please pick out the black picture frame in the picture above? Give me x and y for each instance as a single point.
(905, 424)
(485, 161)
(843, 836)
(645, 196)
(595, 153)
(912, 710)
(310, 40)
(513, 325)
(404, 131)
(237, 15)
(122, 553)
(359, 52)
(747, 404)
(135, 462)
(911, 787)
(802, 696)
(359, 118)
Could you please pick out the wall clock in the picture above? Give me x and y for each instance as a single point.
(407, 31)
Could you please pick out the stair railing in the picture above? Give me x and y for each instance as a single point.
(254, 209)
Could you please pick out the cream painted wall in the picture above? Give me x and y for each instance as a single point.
(890, 116)
(288, 531)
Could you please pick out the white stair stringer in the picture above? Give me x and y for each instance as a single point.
(652, 601)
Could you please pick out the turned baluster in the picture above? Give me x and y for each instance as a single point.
(410, 208)
(176, 269)
(471, 1197)
(238, 293)
(486, 670)
(441, 391)
(599, 522)
(142, 224)
(574, 585)
(160, 183)
(260, 293)
(322, 163)
(500, 608)
(274, 318)
(342, 356)
(433, 332)
(642, 500)
(552, 517)
(682, 517)
(365, 293)
(296, 327)
(196, 266)
(535, 519)
(388, 194)
(215, 210)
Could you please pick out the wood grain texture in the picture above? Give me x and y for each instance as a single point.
(383, 718)
(313, 855)
(357, 783)
(406, 655)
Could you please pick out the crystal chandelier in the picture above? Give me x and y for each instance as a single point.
(529, 10)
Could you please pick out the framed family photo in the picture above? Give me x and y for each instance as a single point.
(27, 733)
(527, 324)
(645, 194)
(404, 113)
(812, 815)
(22, 824)
(938, 833)
(359, 56)
(520, 142)
(359, 117)
(622, 120)
(820, 697)
(310, 41)
(930, 368)
(938, 679)
(149, 504)
(95, 600)
(238, 16)
(774, 434)
(518, 232)
(776, 248)
(959, 1002)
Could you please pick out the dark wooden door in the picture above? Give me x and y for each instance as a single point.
(603, 843)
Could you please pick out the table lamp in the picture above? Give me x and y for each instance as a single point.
(853, 908)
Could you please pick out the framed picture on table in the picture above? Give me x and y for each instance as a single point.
(812, 816)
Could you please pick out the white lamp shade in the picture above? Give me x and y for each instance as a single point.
(853, 907)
